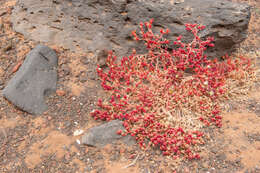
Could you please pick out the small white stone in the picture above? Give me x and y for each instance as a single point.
(78, 141)
(78, 132)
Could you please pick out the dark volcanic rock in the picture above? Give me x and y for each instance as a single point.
(105, 134)
(95, 25)
(35, 79)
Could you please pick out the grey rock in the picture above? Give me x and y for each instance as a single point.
(95, 25)
(36, 78)
(105, 134)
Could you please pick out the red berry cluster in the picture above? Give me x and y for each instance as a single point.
(161, 104)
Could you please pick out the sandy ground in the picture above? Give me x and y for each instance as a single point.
(46, 143)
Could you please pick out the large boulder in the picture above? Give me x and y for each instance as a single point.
(95, 25)
(36, 78)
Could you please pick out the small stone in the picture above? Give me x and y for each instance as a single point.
(235, 128)
(17, 66)
(78, 141)
(60, 92)
(114, 157)
(65, 69)
(122, 150)
(86, 150)
(78, 132)
(105, 134)
(100, 157)
(100, 170)
(88, 169)
(67, 125)
(221, 156)
(8, 46)
(238, 160)
(84, 60)
(102, 57)
(83, 78)
(35, 79)
(214, 150)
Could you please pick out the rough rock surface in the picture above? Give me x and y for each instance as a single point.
(36, 78)
(105, 134)
(94, 25)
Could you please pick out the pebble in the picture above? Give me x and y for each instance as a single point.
(221, 156)
(83, 78)
(84, 60)
(67, 124)
(60, 92)
(88, 169)
(78, 141)
(8, 46)
(78, 132)
(100, 157)
(65, 69)
(100, 170)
